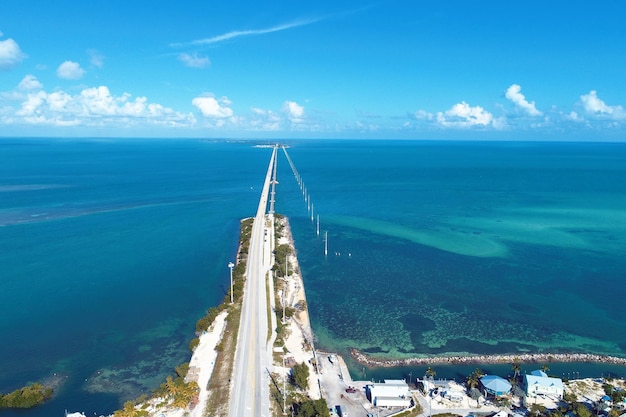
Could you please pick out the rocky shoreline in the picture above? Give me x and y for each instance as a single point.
(364, 359)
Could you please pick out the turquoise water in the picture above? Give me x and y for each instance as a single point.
(109, 253)
(466, 248)
(111, 250)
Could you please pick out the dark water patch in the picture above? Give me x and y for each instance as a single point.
(523, 308)
(416, 324)
(473, 346)
(374, 350)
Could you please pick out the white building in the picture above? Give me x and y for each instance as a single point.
(390, 393)
(538, 383)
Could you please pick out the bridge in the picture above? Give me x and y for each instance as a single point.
(253, 356)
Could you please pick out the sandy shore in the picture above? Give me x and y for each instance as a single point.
(200, 370)
(203, 360)
(299, 343)
(522, 358)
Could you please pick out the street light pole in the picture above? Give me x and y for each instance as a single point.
(231, 265)
(284, 294)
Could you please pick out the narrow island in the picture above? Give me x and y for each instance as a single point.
(306, 383)
(27, 397)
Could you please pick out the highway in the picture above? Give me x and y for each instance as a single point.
(249, 395)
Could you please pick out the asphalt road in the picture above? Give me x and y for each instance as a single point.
(250, 382)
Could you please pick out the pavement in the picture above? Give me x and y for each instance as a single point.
(250, 383)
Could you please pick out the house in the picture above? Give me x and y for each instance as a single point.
(495, 385)
(539, 383)
(390, 393)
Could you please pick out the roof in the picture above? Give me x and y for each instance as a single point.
(390, 388)
(539, 372)
(494, 383)
(400, 382)
(544, 381)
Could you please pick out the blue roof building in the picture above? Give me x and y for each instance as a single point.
(495, 385)
(538, 383)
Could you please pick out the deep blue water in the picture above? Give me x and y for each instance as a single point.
(111, 250)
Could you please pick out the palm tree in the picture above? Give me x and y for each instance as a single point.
(130, 410)
(474, 378)
(430, 372)
(545, 368)
(475, 394)
(537, 410)
(472, 381)
(516, 368)
(172, 388)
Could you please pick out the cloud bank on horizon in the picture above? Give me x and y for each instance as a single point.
(343, 75)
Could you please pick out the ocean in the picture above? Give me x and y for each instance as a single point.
(110, 250)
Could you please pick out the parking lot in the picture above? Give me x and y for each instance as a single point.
(339, 389)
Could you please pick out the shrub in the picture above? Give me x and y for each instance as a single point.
(300, 376)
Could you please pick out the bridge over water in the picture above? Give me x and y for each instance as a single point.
(253, 356)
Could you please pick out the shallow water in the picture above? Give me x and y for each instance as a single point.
(465, 248)
(111, 250)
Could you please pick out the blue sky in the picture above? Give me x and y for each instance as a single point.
(340, 69)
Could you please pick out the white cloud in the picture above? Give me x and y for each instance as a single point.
(70, 70)
(462, 115)
(32, 105)
(514, 94)
(294, 111)
(574, 117)
(423, 115)
(239, 33)
(94, 106)
(10, 54)
(597, 107)
(99, 101)
(59, 101)
(193, 60)
(264, 120)
(95, 58)
(29, 82)
(213, 108)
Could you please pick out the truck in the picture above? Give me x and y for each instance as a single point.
(341, 412)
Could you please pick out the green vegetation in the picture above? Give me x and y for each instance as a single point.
(300, 376)
(279, 225)
(280, 258)
(516, 367)
(219, 384)
(27, 397)
(312, 408)
(130, 410)
(182, 369)
(617, 395)
(474, 379)
(581, 410)
(175, 392)
(417, 410)
(193, 344)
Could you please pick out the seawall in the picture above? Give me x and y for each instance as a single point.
(364, 359)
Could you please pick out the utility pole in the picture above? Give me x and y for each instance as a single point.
(326, 244)
(231, 265)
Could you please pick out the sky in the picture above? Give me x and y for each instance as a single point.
(405, 69)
